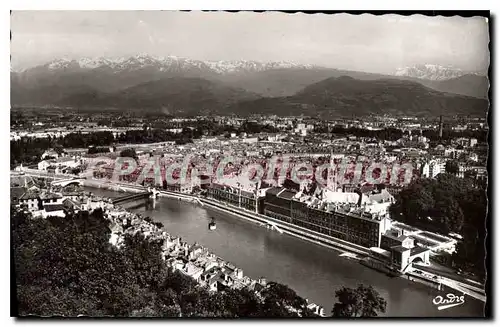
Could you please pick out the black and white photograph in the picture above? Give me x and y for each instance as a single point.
(216, 164)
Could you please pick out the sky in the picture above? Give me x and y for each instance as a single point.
(378, 44)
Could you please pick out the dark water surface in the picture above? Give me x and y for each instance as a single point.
(313, 271)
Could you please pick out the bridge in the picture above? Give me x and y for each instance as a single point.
(43, 174)
(68, 181)
(131, 197)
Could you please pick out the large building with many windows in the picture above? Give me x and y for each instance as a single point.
(353, 217)
(231, 195)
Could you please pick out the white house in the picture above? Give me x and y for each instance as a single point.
(31, 200)
(50, 153)
(45, 164)
(67, 162)
(53, 210)
(193, 271)
(14, 136)
(433, 168)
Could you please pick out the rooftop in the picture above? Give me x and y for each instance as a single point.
(274, 190)
(16, 192)
(330, 201)
(30, 195)
(53, 207)
(380, 251)
(400, 249)
(417, 250)
(286, 194)
(390, 234)
(49, 196)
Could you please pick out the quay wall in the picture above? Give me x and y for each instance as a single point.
(423, 280)
(287, 228)
(296, 231)
(290, 229)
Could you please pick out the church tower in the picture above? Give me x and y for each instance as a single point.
(332, 174)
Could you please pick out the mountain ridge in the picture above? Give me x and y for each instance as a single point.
(345, 96)
(268, 79)
(223, 84)
(432, 72)
(144, 60)
(335, 96)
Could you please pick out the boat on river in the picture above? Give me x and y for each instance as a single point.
(212, 225)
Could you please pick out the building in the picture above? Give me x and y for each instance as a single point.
(250, 140)
(30, 199)
(186, 188)
(397, 253)
(400, 251)
(433, 168)
(43, 204)
(45, 164)
(50, 198)
(350, 217)
(71, 162)
(50, 154)
(54, 210)
(233, 195)
(72, 204)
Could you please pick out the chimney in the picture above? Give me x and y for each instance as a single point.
(360, 200)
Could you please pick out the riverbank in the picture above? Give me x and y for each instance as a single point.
(193, 260)
(313, 271)
(297, 232)
(253, 217)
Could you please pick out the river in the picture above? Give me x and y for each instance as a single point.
(313, 271)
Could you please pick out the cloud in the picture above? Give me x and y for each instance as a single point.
(339, 41)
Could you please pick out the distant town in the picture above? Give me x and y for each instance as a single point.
(210, 165)
(51, 154)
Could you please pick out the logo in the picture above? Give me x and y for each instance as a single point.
(451, 300)
(189, 169)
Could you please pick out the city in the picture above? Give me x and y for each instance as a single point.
(270, 205)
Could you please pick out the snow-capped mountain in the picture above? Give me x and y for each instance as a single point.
(168, 63)
(64, 79)
(430, 72)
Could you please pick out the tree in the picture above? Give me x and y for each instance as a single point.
(448, 204)
(129, 153)
(67, 267)
(434, 204)
(58, 149)
(452, 167)
(279, 299)
(364, 301)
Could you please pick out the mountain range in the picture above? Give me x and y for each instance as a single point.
(181, 85)
(431, 72)
(346, 96)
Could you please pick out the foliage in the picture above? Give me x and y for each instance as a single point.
(364, 301)
(66, 266)
(29, 150)
(278, 298)
(431, 204)
(448, 204)
(451, 167)
(93, 150)
(128, 153)
(153, 136)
